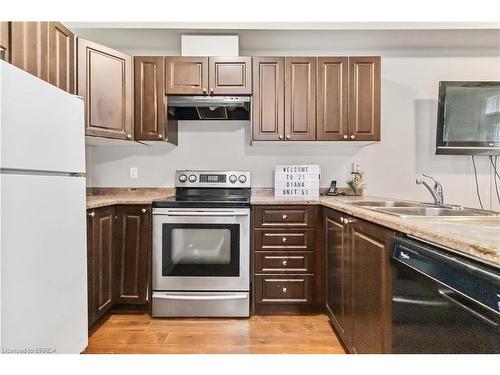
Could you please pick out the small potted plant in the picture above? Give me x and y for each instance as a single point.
(356, 184)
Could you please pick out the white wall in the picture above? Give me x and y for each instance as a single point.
(409, 106)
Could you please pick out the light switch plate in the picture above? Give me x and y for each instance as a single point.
(133, 172)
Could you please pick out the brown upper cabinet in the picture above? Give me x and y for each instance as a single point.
(230, 75)
(105, 83)
(61, 57)
(208, 75)
(29, 47)
(332, 115)
(300, 98)
(325, 98)
(186, 75)
(4, 40)
(364, 98)
(46, 50)
(151, 121)
(268, 98)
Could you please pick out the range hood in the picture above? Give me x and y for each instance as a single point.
(221, 108)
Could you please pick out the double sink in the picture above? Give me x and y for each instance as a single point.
(414, 209)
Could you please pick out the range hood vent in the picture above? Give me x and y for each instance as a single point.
(209, 107)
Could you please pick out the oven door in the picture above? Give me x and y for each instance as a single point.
(201, 249)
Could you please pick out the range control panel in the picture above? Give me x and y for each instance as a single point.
(212, 178)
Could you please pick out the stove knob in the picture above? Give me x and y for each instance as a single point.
(242, 178)
(232, 179)
(192, 178)
(183, 178)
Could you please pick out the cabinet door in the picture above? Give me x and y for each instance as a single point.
(61, 57)
(230, 75)
(105, 83)
(332, 99)
(268, 98)
(132, 254)
(337, 272)
(29, 47)
(149, 81)
(300, 98)
(371, 279)
(364, 98)
(186, 75)
(4, 40)
(90, 266)
(102, 248)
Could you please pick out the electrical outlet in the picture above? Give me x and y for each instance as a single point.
(133, 172)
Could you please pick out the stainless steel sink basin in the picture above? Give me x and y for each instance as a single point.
(433, 211)
(384, 204)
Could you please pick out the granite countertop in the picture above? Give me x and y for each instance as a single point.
(101, 197)
(477, 237)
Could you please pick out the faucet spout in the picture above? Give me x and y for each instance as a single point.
(436, 190)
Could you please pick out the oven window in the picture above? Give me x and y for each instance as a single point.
(200, 250)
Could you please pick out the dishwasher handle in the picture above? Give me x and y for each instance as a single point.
(449, 295)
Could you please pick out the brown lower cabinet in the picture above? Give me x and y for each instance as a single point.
(118, 243)
(287, 260)
(358, 281)
(100, 248)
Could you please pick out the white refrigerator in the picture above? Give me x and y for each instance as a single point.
(43, 255)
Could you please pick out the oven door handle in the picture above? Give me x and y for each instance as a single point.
(196, 213)
(199, 297)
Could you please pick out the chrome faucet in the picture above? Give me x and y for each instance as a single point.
(436, 191)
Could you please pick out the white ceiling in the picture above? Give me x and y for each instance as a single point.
(290, 25)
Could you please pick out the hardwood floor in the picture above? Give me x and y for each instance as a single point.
(126, 332)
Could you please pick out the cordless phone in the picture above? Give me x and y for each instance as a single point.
(332, 190)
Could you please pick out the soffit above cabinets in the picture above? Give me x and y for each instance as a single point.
(385, 42)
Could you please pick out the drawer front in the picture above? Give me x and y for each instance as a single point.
(288, 216)
(301, 262)
(284, 240)
(283, 289)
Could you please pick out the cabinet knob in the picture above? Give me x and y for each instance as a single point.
(284, 262)
(350, 221)
(280, 136)
(284, 217)
(283, 239)
(352, 136)
(144, 210)
(288, 136)
(285, 290)
(129, 136)
(346, 136)
(92, 214)
(204, 90)
(211, 90)
(160, 136)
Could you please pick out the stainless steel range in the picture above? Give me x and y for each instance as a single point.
(201, 246)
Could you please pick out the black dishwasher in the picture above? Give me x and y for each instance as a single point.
(442, 302)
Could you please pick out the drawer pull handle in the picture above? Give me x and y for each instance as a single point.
(284, 239)
(284, 262)
(284, 217)
(284, 290)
